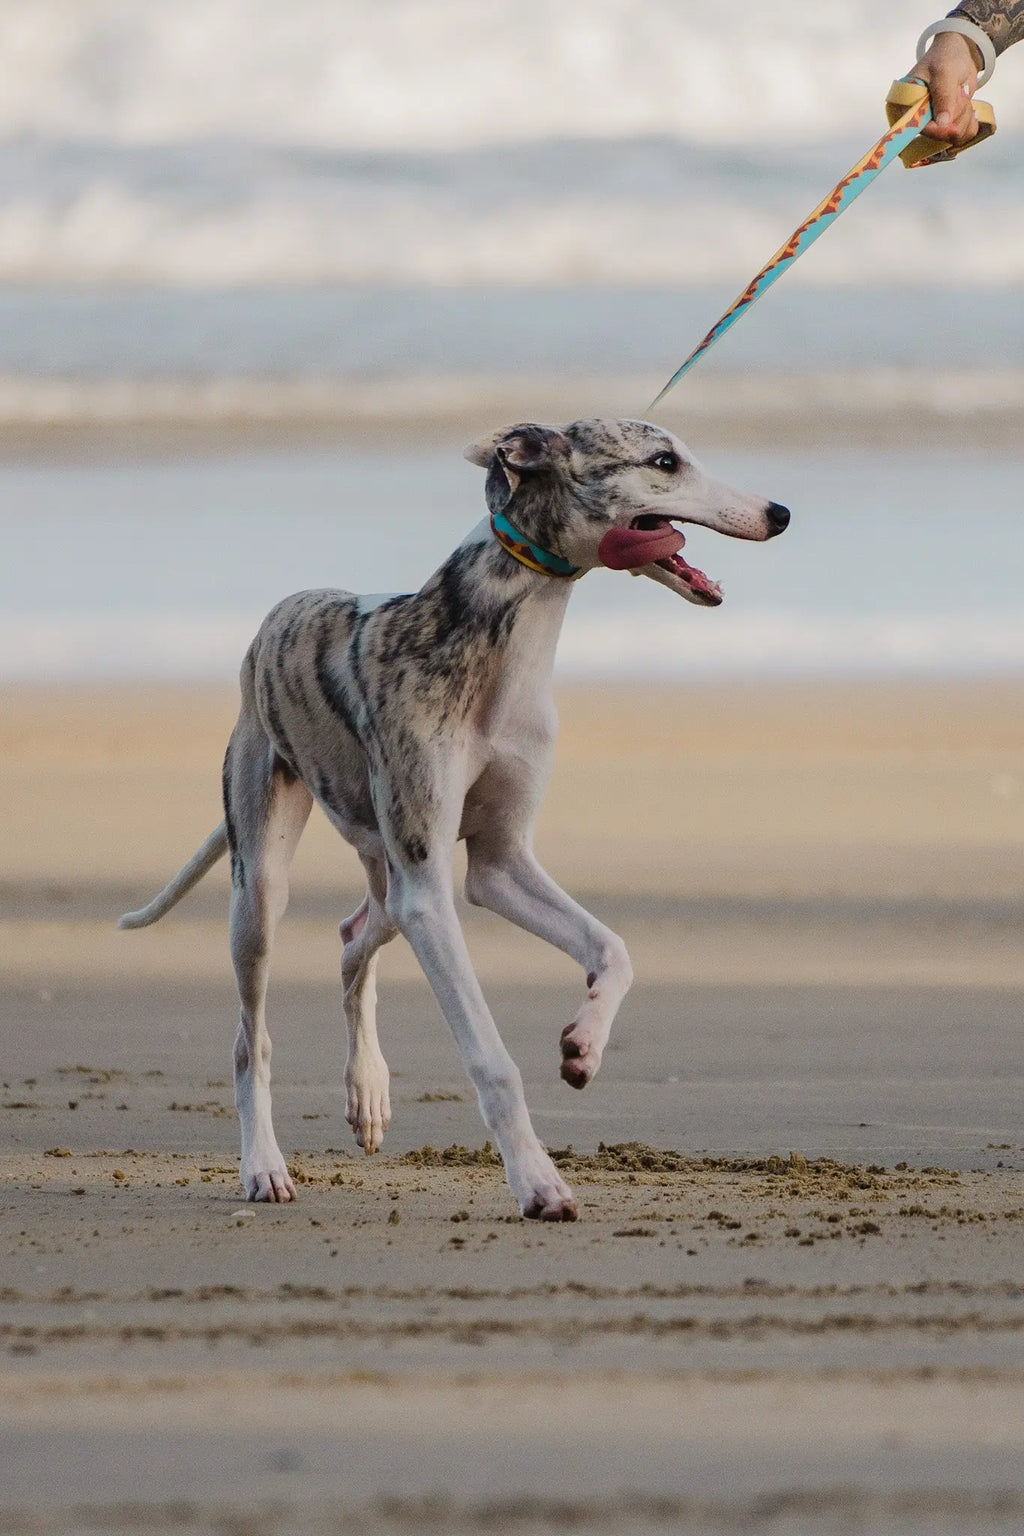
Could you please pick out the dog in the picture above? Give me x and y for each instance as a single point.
(420, 719)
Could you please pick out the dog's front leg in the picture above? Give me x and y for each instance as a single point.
(505, 877)
(421, 904)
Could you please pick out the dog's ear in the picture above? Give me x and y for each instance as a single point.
(482, 452)
(527, 449)
(520, 450)
(513, 454)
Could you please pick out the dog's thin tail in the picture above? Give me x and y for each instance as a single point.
(201, 862)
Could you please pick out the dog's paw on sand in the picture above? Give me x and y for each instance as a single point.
(552, 1209)
(272, 1184)
(541, 1193)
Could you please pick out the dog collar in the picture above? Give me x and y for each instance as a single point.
(529, 554)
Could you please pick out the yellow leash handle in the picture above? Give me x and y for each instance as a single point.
(903, 95)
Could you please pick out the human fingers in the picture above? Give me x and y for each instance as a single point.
(951, 74)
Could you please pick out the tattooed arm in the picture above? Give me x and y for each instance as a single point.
(1003, 20)
(950, 66)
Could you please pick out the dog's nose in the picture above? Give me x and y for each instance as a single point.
(778, 518)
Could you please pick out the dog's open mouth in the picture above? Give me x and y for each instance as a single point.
(676, 565)
(654, 540)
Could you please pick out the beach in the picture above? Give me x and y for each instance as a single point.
(792, 1301)
(259, 285)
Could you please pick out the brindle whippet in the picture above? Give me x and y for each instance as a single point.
(419, 719)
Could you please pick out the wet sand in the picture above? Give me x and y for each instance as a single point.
(761, 1322)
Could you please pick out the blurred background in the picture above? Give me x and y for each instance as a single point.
(265, 266)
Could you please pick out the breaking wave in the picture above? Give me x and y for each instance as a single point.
(446, 143)
(60, 647)
(410, 74)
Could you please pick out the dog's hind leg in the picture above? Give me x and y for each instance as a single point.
(266, 808)
(368, 1108)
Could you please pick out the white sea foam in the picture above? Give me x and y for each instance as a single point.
(51, 647)
(208, 647)
(447, 73)
(109, 234)
(449, 142)
(793, 643)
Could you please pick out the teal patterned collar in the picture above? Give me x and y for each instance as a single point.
(529, 554)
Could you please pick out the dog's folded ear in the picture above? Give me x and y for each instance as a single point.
(515, 454)
(482, 452)
(524, 449)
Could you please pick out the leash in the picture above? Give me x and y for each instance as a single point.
(909, 109)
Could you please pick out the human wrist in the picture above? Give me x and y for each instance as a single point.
(978, 40)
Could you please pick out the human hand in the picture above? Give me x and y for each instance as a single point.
(950, 71)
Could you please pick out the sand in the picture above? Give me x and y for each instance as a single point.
(793, 1301)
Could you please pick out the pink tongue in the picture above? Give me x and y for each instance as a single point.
(622, 549)
(701, 583)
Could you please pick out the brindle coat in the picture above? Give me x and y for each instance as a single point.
(419, 719)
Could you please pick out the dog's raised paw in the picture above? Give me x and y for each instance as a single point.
(369, 1133)
(369, 1106)
(580, 1060)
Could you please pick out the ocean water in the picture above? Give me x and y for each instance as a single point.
(894, 564)
(449, 142)
(198, 197)
(78, 336)
(646, 210)
(291, 190)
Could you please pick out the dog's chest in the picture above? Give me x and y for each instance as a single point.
(509, 760)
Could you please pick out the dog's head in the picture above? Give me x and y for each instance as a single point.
(612, 493)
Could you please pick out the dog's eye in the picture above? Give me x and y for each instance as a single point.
(667, 462)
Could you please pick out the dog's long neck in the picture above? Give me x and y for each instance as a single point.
(491, 615)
